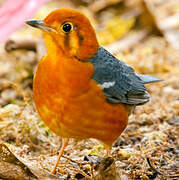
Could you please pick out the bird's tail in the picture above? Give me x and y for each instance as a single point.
(148, 79)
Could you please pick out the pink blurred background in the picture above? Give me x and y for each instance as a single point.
(13, 13)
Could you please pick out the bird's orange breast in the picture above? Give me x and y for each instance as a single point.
(73, 105)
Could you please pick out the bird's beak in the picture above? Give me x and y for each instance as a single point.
(39, 24)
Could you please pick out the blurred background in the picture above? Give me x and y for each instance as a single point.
(142, 33)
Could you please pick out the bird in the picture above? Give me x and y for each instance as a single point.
(80, 89)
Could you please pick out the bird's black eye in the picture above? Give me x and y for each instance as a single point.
(67, 27)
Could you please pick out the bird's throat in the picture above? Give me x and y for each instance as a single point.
(69, 77)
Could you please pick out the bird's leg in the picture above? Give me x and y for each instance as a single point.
(64, 144)
(108, 150)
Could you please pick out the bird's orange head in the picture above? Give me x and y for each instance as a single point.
(70, 31)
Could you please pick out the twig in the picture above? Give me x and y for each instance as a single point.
(158, 172)
(155, 170)
(21, 44)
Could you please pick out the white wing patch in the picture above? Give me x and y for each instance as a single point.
(107, 84)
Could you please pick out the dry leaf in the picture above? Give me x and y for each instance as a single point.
(11, 167)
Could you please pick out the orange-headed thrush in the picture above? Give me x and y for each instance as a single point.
(80, 89)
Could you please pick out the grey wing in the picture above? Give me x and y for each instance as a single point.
(119, 81)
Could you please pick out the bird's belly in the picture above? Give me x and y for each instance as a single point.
(86, 116)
